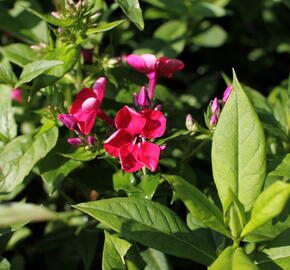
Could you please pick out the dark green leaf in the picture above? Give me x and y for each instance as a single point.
(149, 223)
(34, 69)
(132, 9)
(238, 150)
(114, 251)
(198, 204)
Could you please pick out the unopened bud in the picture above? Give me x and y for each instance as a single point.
(16, 94)
(68, 120)
(56, 14)
(91, 140)
(227, 93)
(135, 99)
(215, 107)
(143, 99)
(75, 141)
(190, 124)
(213, 120)
(158, 108)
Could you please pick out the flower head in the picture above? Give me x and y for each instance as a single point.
(129, 141)
(85, 108)
(215, 107)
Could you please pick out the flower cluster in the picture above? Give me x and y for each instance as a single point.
(135, 128)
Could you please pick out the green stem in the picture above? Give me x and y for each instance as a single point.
(195, 150)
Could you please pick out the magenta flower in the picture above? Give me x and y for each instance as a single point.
(154, 67)
(85, 108)
(215, 107)
(128, 142)
(68, 120)
(227, 93)
(16, 94)
(213, 120)
(75, 141)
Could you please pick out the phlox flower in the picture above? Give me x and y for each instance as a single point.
(129, 141)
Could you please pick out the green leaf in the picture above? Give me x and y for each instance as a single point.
(4, 264)
(233, 259)
(54, 168)
(104, 27)
(114, 251)
(19, 156)
(155, 260)
(81, 154)
(269, 204)
(6, 75)
(238, 150)
(198, 204)
(173, 6)
(17, 212)
(19, 54)
(280, 166)
(149, 223)
(211, 36)
(34, 69)
(8, 127)
(132, 9)
(66, 54)
(276, 254)
(62, 22)
(203, 9)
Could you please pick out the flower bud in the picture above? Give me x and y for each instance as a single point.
(16, 94)
(68, 120)
(56, 14)
(158, 108)
(91, 140)
(143, 99)
(135, 99)
(215, 107)
(87, 55)
(75, 141)
(190, 124)
(227, 93)
(213, 120)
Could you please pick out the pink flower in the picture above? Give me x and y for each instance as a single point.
(213, 120)
(128, 142)
(68, 120)
(75, 141)
(16, 94)
(154, 67)
(227, 93)
(143, 98)
(86, 105)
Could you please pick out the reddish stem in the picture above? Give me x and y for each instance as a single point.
(152, 85)
(106, 118)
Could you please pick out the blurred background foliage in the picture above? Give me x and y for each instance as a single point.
(210, 37)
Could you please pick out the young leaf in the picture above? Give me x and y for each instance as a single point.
(233, 259)
(198, 204)
(8, 127)
(276, 254)
(18, 212)
(238, 150)
(19, 156)
(269, 204)
(104, 27)
(81, 154)
(280, 166)
(34, 69)
(149, 223)
(155, 260)
(19, 54)
(132, 9)
(6, 75)
(114, 251)
(4, 264)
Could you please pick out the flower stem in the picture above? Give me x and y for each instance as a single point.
(152, 85)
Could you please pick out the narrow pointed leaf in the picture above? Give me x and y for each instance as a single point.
(238, 150)
(34, 69)
(114, 251)
(132, 9)
(104, 27)
(198, 204)
(269, 204)
(149, 223)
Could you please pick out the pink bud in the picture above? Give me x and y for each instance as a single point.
(163, 147)
(87, 55)
(213, 120)
(135, 99)
(215, 107)
(91, 140)
(68, 120)
(75, 141)
(56, 14)
(143, 99)
(16, 94)
(158, 108)
(227, 93)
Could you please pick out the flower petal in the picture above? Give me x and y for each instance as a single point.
(85, 120)
(155, 124)
(149, 155)
(129, 119)
(128, 157)
(90, 104)
(145, 63)
(99, 88)
(118, 139)
(80, 98)
(167, 67)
